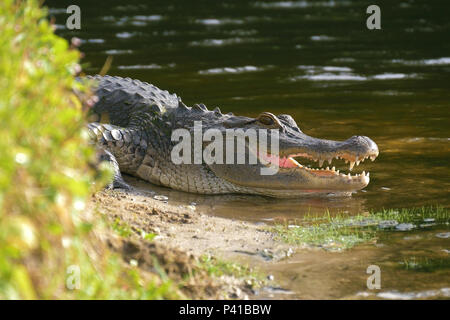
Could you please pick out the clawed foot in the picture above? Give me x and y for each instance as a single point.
(118, 182)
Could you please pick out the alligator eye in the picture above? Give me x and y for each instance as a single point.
(266, 120)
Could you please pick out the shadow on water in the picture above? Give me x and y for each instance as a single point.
(317, 61)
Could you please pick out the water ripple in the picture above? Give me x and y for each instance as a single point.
(217, 22)
(92, 40)
(300, 4)
(118, 52)
(322, 38)
(331, 77)
(126, 35)
(327, 73)
(139, 66)
(230, 70)
(222, 42)
(334, 73)
(392, 76)
(395, 295)
(424, 62)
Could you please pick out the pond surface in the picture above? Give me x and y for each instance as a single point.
(315, 60)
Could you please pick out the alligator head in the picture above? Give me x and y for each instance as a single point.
(292, 177)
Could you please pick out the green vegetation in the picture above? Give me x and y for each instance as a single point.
(45, 176)
(328, 236)
(125, 231)
(405, 215)
(122, 229)
(425, 264)
(342, 231)
(217, 268)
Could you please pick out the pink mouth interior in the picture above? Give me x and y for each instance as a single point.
(289, 162)
(284, 162)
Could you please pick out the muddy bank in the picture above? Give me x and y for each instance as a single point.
(181, 235)
(185, 228)
(182, 232)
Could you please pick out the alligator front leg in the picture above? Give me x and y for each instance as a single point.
(118, 182)
(123, 148)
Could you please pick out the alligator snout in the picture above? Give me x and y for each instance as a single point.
(358, 148)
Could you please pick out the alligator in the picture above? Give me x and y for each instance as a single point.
(132, 123)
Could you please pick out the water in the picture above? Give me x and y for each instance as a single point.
(315, 60)
(400, 256)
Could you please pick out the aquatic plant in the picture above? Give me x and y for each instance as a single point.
(343, 231)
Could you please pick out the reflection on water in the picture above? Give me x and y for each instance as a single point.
(317, 61)
(413, 266)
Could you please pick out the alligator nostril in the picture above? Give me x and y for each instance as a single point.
(370, 144)
(356, 139)
(361, 139)
(362, 144)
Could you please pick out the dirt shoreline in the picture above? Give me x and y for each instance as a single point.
(182, 234)
(183, 231)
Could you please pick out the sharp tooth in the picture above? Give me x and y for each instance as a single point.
(333, 169)
(367, 174)
(329, 160)
(337, 171)
(320, 162)
(352, 164)
(328, 168)
(294, 162)
(363, 173)
(357, 162)
(349, 176)
(372, 158)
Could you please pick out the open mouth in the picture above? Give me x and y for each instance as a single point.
(293, 161)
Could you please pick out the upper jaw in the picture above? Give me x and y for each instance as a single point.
(353, 151)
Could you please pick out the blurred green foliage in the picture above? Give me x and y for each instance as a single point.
(45, 177)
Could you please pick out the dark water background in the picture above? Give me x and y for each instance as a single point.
(315, 60)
